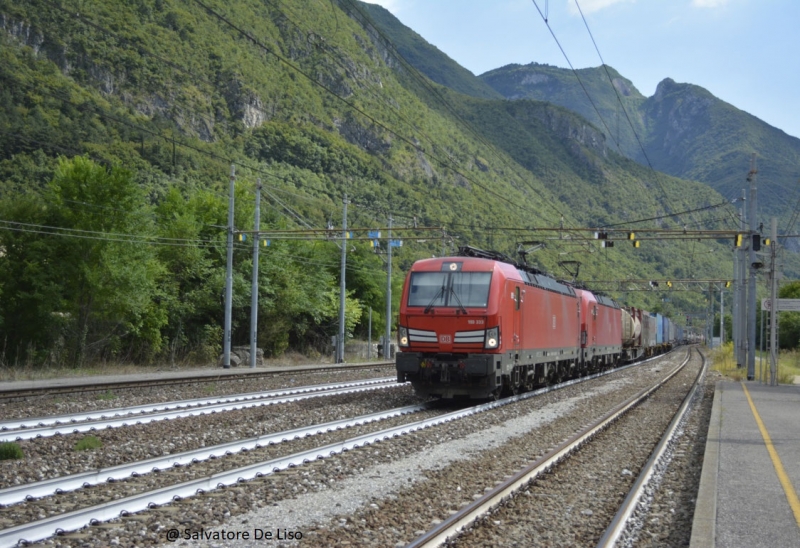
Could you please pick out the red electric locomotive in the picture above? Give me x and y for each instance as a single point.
(478, 325)
(601, 330)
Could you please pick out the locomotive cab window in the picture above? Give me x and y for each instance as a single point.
(449, 289)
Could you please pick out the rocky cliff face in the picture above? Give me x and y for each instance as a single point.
(573, 128)
(677, 113)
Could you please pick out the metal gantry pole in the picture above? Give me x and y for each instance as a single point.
(388, 335)
(254, 285)
(342, 286)
(721, 318)
(751, 289)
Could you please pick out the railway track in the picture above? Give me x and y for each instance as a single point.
(633, 513)
(502, 516)
(41, 427)
(226, 475)
(27, 389)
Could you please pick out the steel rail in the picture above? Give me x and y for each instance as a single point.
(646, 483)
(70, 521)
(458, 522)
(112, 413)
(29, 491)
(47, 431)
(10, 392)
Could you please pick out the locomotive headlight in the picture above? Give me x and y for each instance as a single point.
(492, 338)
(402, 336)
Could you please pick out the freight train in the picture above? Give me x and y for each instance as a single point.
(480, 325)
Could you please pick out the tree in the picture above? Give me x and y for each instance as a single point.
(85, 276)
(789, 332)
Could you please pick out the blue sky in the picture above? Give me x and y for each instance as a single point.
(746, 52)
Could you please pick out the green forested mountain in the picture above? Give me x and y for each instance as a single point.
(561, 87)
(683, 130)
(120, 121)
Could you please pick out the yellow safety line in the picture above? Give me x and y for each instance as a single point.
(786, 483)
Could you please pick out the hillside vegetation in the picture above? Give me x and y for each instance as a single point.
(119, 124)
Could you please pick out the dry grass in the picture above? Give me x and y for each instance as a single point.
(788, 365)
(723, 362)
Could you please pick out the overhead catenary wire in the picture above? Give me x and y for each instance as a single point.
(588, 95)
(661, 217)
(101, 236)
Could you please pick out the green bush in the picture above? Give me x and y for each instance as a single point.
(88, 442)
(10, 451)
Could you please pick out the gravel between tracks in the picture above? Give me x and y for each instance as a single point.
(413, 481)
(384, 494)
(669, 520)
(574, 504)
(64, 404)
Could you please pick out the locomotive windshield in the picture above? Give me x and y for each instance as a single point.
(449, 289)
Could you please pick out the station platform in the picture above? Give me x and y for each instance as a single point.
(751, 471)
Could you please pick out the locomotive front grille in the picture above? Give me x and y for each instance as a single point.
(418, 335)
(470, 337)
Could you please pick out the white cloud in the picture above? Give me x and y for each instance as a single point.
(590, 6)
(708, 3)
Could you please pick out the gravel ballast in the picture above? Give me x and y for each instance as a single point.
(384, 494)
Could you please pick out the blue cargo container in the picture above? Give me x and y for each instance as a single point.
(659, 329)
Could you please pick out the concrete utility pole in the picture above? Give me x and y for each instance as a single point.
(742, 312)
(751, 290)
(710, 316)
(721, 317)
(226, 356)
(388, 336)
(773, 309)
(254, 286)
(735, 306)
(369, 335)
(342, 286)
